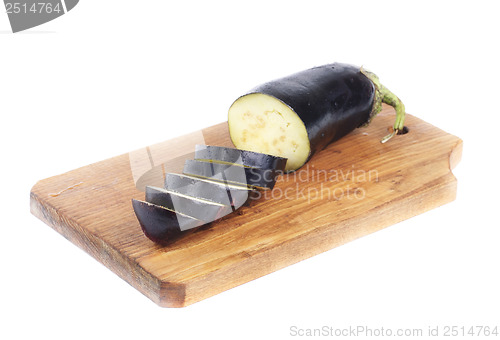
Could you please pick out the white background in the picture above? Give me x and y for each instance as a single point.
(116, 75)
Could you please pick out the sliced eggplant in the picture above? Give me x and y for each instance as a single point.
(218, 192)
(232, 174)
(198, 208)
(226, 155)
(298, 115)
(162, 225)
(223, 180)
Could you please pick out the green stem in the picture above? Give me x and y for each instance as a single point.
(383, 95)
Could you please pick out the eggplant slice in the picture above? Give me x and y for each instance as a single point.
(232, 174)
(160, 224)
(200, 209)
(208, 190)
(224, 155)
(217, 192)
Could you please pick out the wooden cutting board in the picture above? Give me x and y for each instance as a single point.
(352, 188)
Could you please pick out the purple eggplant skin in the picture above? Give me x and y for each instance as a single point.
(236, 196)
(332, 100)
(234, 174)
(160, 225)
(241, 157)
(200, 209)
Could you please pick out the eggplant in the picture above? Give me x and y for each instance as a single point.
(224, 155)
(222, 193)
(232, 174)
(161, 225)
(200, 209)
(296, 116)
(211, 188)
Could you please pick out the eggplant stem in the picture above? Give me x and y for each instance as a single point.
(389, 136)
(391, 99)
(384, 95)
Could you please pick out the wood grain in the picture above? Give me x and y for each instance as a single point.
(354, 187)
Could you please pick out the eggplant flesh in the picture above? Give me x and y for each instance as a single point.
(233, 156)
(222, 193)
(232, 174)
(298, 115)
(162, 225)
(200, 209)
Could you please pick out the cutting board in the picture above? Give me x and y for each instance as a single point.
(352, 188)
